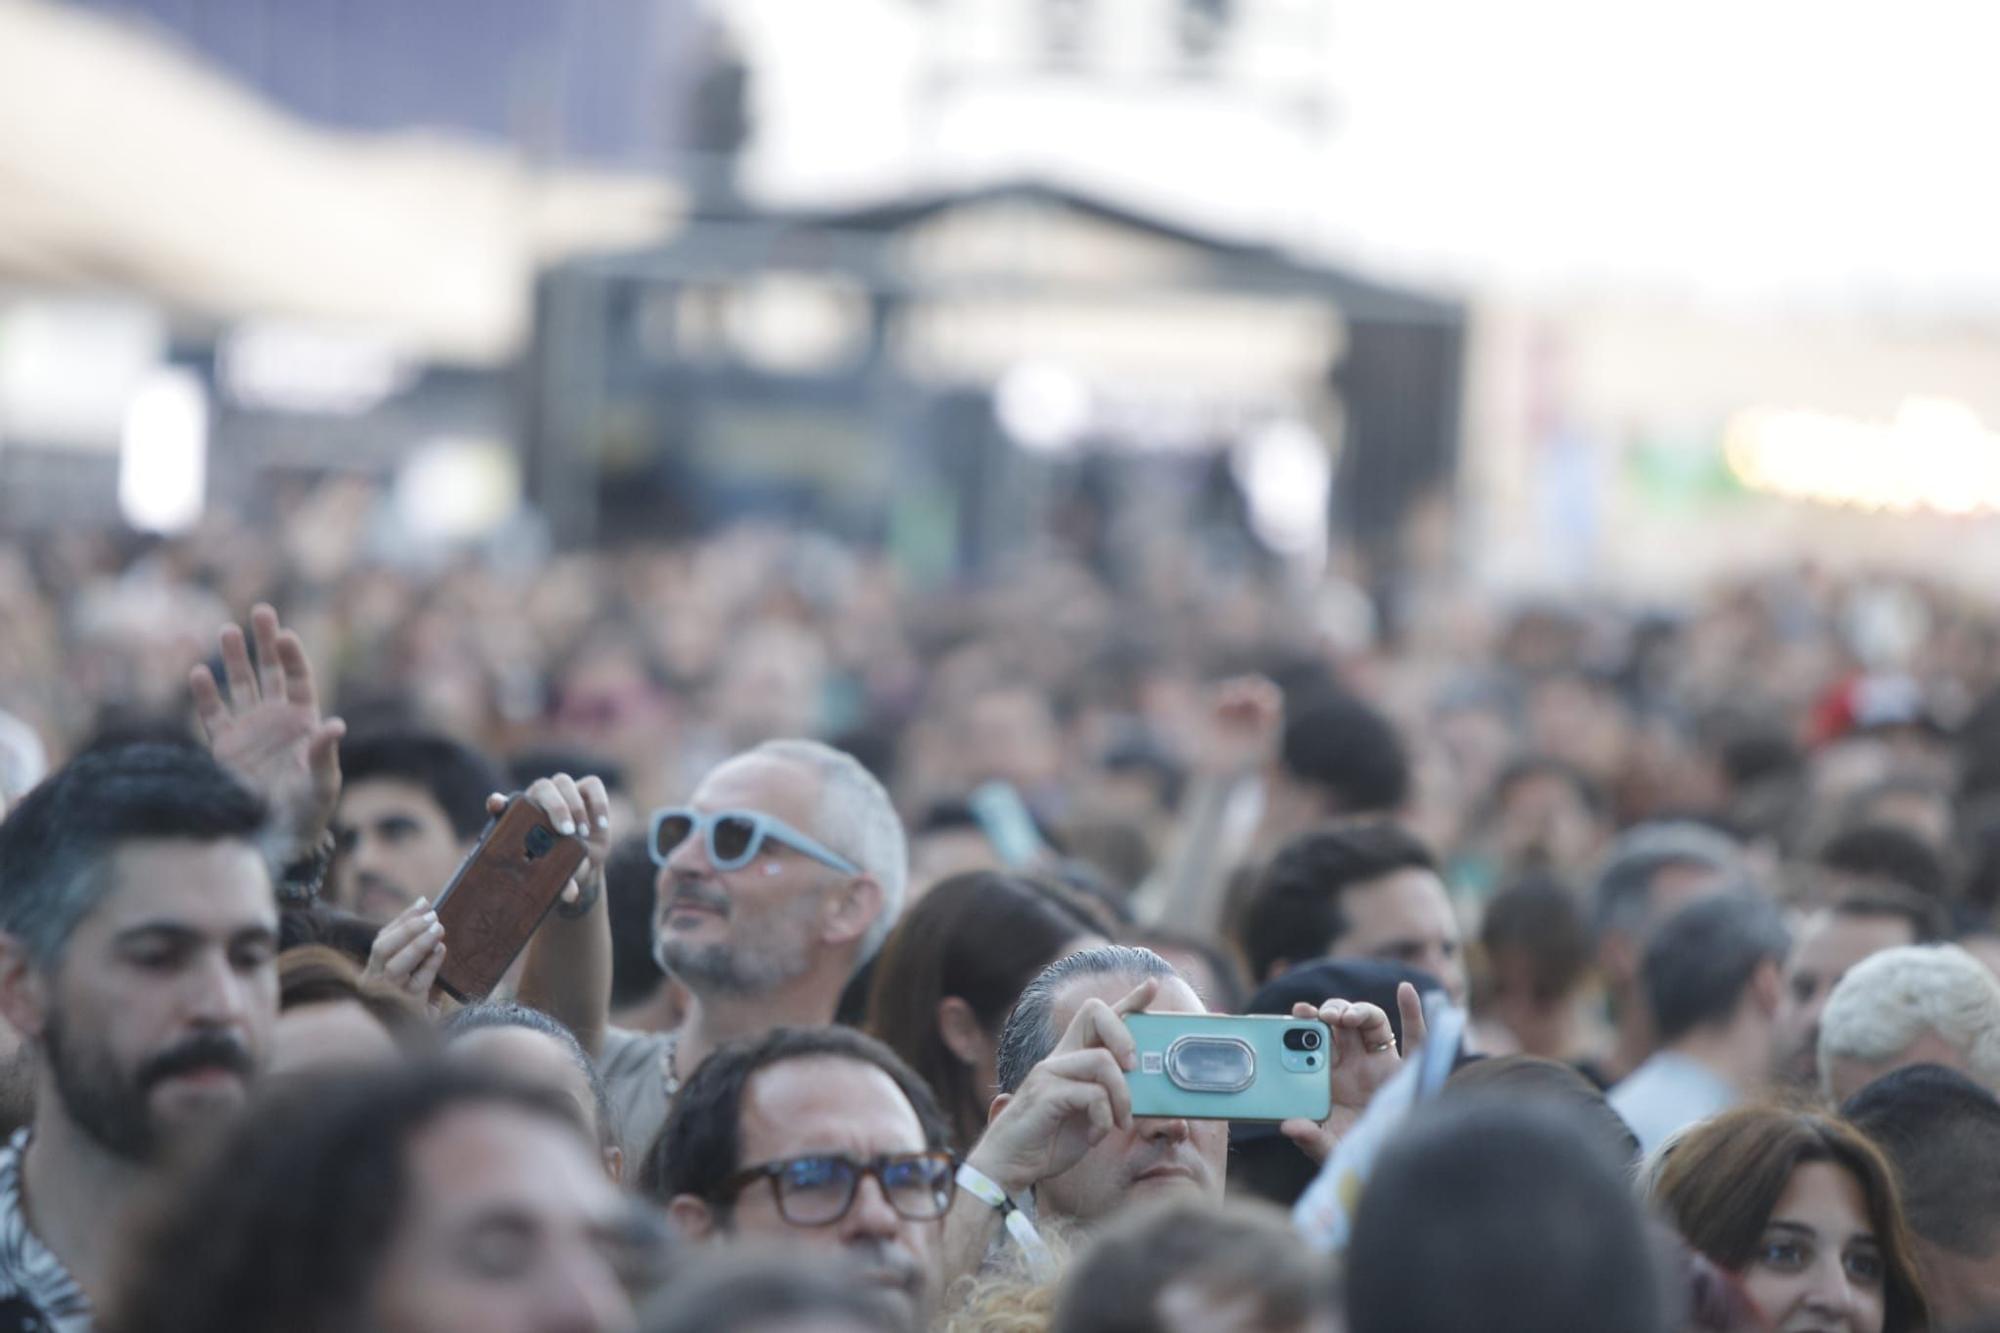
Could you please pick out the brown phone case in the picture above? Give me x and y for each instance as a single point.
(498, 898)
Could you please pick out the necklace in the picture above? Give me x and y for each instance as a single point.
(670, 1072)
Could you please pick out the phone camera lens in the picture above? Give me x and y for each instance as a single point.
(1302, 1039)
(1312, 1062)
(1311, 1040)
(540, 841)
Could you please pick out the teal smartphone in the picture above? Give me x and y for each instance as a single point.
(1230, 1067)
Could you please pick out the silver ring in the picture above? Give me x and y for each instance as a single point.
(1388, 1045)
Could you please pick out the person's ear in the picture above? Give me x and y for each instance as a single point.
(692, 1217)
(960, 1029)
(614, 1164)
(24, 990)
(851, 911)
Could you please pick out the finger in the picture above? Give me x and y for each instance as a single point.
(495, 803)
(1331, 1012)
(572, 893)
(572, 799)
(545, 794)
(401, 929)
(1411, 1006)
(1310, 1139)
(1361, 1016)
(297, 669)
(597, 802)
(323, 750)
(208, 705)
(426, 976)
(264, 632)
(412, 955)
(1097, 1025)
(1137, 998)
(236, 668)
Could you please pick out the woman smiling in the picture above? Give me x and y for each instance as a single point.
(1804, 1212)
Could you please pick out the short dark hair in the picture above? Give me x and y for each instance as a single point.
(1934, 1124)
(458, 777)
(631, 899)
(1351, 751)
(982, 937)
(1928, 919)
(508, 1014)
(1229, 1252)
(288, 1222)
(56, 845)
(1516, 1219)
(1539, 918)
(1891, 854)
(1525, 1079)
(700, 1147)
(1701, 959)
(750, 1290)
(1294, 913)
(1030, 1032)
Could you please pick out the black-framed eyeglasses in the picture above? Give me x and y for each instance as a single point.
(818, 1191)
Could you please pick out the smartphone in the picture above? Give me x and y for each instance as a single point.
(498, 898)
(1230, 1067)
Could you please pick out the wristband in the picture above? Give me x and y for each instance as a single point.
(299, 883)
(984, 1188)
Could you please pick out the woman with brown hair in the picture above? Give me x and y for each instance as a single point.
(951, 971)
(1803, 1211)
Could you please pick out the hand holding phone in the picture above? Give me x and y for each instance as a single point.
(499, 897)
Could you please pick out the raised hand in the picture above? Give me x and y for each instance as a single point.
(268, 730)
(1363, 1058)
(408, 952)
(1069, 1102)
(1246, 719)
(580, 806)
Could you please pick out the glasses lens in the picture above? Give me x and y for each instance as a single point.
(735, 839)
(918, 1187)
(814, 1191)
(670, 833)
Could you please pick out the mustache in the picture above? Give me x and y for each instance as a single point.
(700, 893)
(871, 1255)
(211, 1050)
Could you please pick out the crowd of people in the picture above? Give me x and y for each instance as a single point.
(1656, 950)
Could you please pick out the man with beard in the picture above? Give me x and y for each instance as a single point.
(813, 1136)
(782, 875)
(138, 937)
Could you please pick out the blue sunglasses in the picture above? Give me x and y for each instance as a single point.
(735, 837)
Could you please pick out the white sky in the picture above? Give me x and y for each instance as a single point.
(1762, 149)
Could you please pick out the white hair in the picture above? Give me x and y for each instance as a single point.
(1889, 1000)
(857, 819)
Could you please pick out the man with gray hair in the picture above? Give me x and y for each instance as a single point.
(1653, 870)
(1921, 1004)
(1061, 1138)
(781, 876)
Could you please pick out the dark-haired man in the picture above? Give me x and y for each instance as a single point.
(1833, 940)
(411, 806)
(1711, 973)
(815, 1135)
(1942, 1132)
(1354, 891)
(138, 937)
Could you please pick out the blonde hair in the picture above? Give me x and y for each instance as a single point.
(1006, 1296)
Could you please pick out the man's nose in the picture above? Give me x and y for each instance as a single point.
(871, 1214)
(583, 1296)
(1172, 1131)
(215, 993)
(689, 857)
